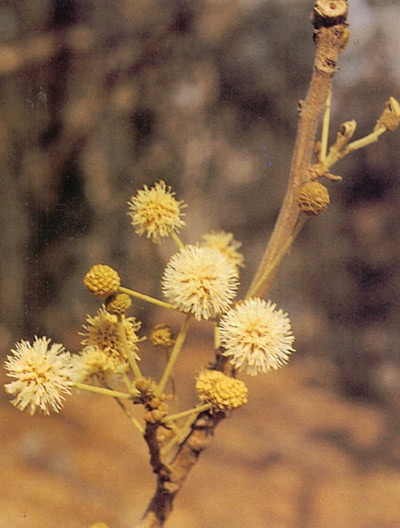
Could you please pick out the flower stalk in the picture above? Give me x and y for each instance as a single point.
(174, 355)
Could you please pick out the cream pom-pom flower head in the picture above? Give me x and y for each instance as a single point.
(43, 374)
(256, 336)
(156, 212)
(201, 281)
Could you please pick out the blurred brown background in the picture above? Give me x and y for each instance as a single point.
(99, 98)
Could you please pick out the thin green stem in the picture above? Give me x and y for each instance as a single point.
(102, 390)
(131, 358)
(172, 382)
(174, 355)
(147, 298)
(182, 414)
(325, 125)
(177, 240)
(130, 416)
(254, 290)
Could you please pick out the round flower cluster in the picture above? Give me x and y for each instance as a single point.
(156, 212)
(201, 281)
(93, 366)
(102, 332)
(43, 374)
(225, 243)
(162, 336)
(224, 393)
(101, 280)
(256, 336)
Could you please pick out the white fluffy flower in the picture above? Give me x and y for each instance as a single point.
(42, 372)
(201, 281)
(156, 212)
(256, 336)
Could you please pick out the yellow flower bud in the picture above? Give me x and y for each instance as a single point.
(224, 393)
(313, 198)
(162, 336)
(118, 303)
(101, 280)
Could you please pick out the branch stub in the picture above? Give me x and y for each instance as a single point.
(329, 13)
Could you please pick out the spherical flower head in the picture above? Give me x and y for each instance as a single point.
(102, 331)
(225, 243)
(156, 212)
(201, 281)
(94, 366)
(101, 280)
(313, 198)
(224, 393)
(43, 374)
(118, 303)
(256, 336)
(162, 336)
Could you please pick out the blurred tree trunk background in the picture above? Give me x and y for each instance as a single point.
(100, 97)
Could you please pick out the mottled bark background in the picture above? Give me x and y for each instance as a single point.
(100, 97)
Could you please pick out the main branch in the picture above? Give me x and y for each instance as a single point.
(330, 35)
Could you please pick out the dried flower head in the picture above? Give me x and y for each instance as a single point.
(92, 365)
(43, 374)
(256, 336)
(101, 280)
(390, 117)
(102, 332)
(223, 392)
(156, 212)
(201, 281)
(225, 243)
(313, 198)
(118, 303)
(162, 336)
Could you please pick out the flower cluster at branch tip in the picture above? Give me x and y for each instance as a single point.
(102, 332)
(201, 281)
(226, 244)
(224, 393)
(101, 280)
(156, 212)
(313, 198)
(256, 336)
(43, 374)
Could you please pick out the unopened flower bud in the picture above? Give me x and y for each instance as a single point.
(313, 198)
(345, 133)
(101, 280)
(118, 303)
(390, 117)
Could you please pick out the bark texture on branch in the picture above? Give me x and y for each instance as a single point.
(330, 36)
(170, 477)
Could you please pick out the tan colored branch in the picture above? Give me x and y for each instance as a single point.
(330, 41)
(171, 477)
